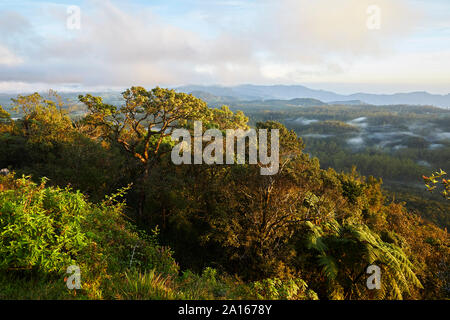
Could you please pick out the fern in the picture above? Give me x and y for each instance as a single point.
(345, 250)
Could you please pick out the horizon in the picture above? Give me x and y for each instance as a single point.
(119, 90)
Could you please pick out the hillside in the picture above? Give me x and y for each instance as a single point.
(141, 227)
(254, 92)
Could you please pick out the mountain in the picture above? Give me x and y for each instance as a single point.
(255, 92)
(218, 95)
(301, 102)
(415, 98)
(213, 99)
(348, 103)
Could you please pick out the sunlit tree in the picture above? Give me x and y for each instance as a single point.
(143, 124)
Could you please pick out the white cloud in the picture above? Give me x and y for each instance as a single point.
(320, 28)
(8, 58)
(286, 41)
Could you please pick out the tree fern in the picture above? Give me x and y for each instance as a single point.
(345, 251)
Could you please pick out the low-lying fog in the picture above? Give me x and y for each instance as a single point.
(389, 137)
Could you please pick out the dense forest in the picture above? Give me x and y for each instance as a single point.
(398, 143)
(98, 189)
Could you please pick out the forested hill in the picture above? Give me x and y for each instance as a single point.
(255, 92)
(398, 143)
(249, 92)
(101, 192)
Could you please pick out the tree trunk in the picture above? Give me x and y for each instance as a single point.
(142, 193)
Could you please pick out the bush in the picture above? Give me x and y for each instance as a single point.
(146, 286)
(277, 289)
(43, 230)
(40, 228)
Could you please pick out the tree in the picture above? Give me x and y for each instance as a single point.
(344, 251)
(252, 217)
(4, 115)
(435, 179)
(43, 120)
(143, 124)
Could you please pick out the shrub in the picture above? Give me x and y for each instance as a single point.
(278, 289)
(43, 230)
(146, 286)
(40, 228)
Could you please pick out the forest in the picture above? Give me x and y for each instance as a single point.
(91, 183)
(398, 143)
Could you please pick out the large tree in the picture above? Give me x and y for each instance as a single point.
(143, 123)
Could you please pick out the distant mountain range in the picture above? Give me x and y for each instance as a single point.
(282, 92)
(217, 95)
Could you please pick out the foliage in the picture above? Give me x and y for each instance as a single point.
(345, 251)
(149, 285)
(45, 230)
(435, 179)
(277, 289)
(40, 228)
(4, 115)
(303, 233)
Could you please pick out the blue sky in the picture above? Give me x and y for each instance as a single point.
(321, 44)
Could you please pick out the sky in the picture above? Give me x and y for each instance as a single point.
(346, 46)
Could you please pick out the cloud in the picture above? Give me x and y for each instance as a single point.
(320, 29)
(7, 58)
(14, 23)
(121, 48)
(282, 41)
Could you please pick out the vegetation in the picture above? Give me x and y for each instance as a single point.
(4, 116)
(437, 179)
(101, 192)
(398, 143)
